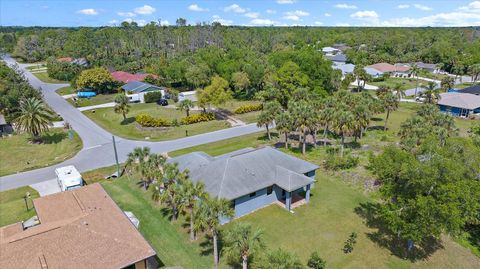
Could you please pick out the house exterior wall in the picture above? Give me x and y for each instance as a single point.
(454, 111)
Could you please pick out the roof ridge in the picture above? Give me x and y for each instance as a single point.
(223, 177)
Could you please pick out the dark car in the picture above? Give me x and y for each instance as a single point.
(162, 102)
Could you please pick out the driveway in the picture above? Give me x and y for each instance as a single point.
(97, 149)
(47, 187)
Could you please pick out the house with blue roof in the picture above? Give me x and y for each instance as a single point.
(252, 178)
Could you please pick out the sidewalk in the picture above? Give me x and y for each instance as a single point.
(112, 104)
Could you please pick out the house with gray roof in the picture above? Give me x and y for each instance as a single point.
(459, 104)
(251, 178)
(337, 58)
(136, 90)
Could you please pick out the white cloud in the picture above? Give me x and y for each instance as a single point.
(216, 18)
(164, 23)
(271, 11)
(234, 8)
(295, 15)
(195, 7)
(345, 6)
(252, 15)
(262, 22)
(126, 14)
(327, 15)
(88, 11)
(422, 7)
(366, 14)
(139, 22)
(403, 6)
(145, 10)
(319, 23)
(113, 22)
(286, 2)
(440, 19)
(342, 24)
(471, 6)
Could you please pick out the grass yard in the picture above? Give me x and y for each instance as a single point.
(465, 85)
(113, 122)
(17, 154)
(170, 240)
(407, 83)
(250, 117)
(66, 90)
(43, 76)
(12, 205)
(96, 100)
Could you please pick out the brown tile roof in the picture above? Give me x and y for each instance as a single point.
(81, 228)
(386, 67)
(65, 59)
(128, 77)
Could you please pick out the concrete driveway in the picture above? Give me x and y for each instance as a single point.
(46, 187)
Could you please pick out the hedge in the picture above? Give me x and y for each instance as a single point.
(195, 118)
(248, 108)
(152, 97)
(146, 120)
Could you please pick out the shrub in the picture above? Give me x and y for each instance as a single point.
(315, 261)
(336, 162)
(146, 120)
(152, 97)
(248, 108)
(195, 118)
(350, 243)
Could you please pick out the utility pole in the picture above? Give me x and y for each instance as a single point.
(116, 156)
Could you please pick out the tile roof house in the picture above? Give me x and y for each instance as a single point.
(126, 77)
(136, 90)
(65, 59)
(459, 104)
(389, 68)
(251, 178)
(81, 228)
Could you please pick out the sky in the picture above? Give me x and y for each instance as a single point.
(241, 12)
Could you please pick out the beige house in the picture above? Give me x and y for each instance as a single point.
(80, 228)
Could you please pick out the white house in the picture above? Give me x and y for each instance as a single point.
(136, 90)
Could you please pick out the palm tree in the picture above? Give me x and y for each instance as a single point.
(360, 75)
(474, 71)
(382, 91)
(414, 70)
(398, 90)
(34, 117)
(169, 190)
(186, 105)
(267, 116)
(211, 210)
(304, 118)
(390, 103)
(121, 105)
(447, 83)
(343, 124)
(431, 94)
(137, 158)
(283, 124)
(190, 194)
(241, 240)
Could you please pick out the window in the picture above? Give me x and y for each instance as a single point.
(253, 194)
(269, 190)
(283, 193)
(232, 204)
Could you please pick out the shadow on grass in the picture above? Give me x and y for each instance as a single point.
(127, 121)
(386, 239)
(52, 138)
(474, 235)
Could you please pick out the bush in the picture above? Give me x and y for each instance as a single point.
(315, 261)
(336, 162)
(152, 97)
(146, 120)
(63, 71)
(350, 243)
(195, 118)
(248, 108)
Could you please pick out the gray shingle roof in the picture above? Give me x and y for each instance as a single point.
(460, 100)
(245, 171)
(473, 90)
(337, 58)
(137, 86)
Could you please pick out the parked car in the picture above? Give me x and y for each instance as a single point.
(163, 102)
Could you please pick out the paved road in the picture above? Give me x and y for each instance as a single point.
(97, 143)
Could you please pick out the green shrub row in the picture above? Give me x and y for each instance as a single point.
(146, 120)
(195, 118)
(248, 108)
(152, 97)
(336, 162)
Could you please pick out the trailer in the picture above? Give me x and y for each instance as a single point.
(68, 178)
(190, 95)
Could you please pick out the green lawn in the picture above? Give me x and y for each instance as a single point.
(43, 76)
(18, 154)
(66, 90)
(170, 240)
(250, 117)
(96, 100)
(114, 123)
(12, 205)
(465, 85)
(407, 83)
